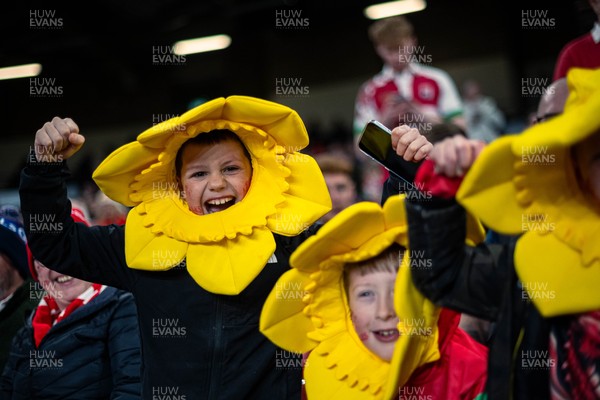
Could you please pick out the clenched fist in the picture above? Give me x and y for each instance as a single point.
(454, 156)
(57, 140)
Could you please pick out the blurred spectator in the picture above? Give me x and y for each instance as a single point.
(82, 342)
(552, 102)
(17, 290)
(546, 338)
(405, 88)
(404, 92)
(106, 211)
(338, 172)
(582, 52)
(485, 121)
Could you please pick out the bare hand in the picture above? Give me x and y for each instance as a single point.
(410, 144)
(57, 140)
(454, 156)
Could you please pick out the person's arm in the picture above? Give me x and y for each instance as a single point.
(124, 350)
(461, 277)
(95, 254)
(465, 278)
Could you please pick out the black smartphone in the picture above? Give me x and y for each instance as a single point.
(376, 142)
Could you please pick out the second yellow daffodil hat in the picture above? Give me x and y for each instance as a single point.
(226, 250)
(527, 183)
(308, 310)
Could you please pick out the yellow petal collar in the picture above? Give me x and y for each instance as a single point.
(161, 231)
(558, 257)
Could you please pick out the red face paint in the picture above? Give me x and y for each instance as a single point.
(363, 336)
(246, 187)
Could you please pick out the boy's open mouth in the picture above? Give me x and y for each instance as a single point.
(388, 335)
(220, 204)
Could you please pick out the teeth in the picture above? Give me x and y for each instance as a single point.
(389, 332)
(218, 202)
(63, 279)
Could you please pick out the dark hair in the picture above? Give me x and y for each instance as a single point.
(209, 138)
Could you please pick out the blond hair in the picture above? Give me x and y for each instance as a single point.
(390, 31)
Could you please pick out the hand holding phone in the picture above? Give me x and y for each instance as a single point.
(376, 142)
(410, 144)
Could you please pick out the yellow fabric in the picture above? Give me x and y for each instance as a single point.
(526, 183)
(224, 251)
(308, 308)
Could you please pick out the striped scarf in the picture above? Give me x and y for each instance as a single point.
(47, 313)
(575, 351)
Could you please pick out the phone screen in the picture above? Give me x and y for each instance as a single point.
(376, 142)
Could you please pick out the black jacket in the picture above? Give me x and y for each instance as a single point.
(480, 281)
(14, 315)
(195, 344)
(94, 353)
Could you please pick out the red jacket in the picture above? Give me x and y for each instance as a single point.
(459, 374)
(461, 371)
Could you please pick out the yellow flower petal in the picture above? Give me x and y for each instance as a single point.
(282, 317)
(146, 251)
(550, 273)
(228, 266)
(488, 188)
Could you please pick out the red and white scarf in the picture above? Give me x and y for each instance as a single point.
(47, 313)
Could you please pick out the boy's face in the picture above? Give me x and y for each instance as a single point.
(397, 54)
(214, 177)
(371, 298)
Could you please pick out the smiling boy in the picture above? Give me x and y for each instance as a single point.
(201, 247)
(370, 290)
(214, 171)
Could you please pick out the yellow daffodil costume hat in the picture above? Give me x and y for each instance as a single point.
(226, 250)
(308, 308)
(527, 183)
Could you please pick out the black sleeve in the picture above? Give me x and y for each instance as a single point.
(394, 185)
(452, 274)
(95, 254)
